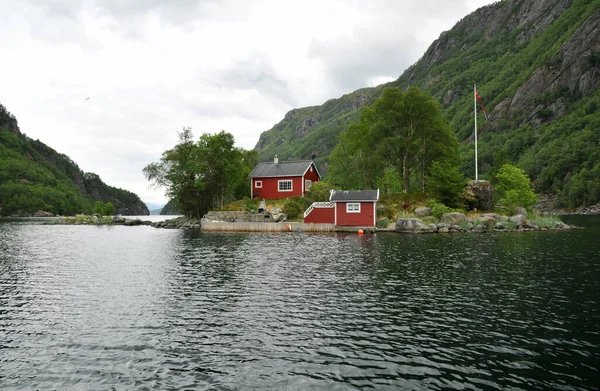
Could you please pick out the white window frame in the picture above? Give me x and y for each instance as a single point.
(281, 181)
(258, 184)
(307, 184)
(353, 207)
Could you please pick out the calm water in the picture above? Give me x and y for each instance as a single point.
(141, 308)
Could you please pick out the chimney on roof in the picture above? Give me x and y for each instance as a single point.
(276, 160)
(314, 158)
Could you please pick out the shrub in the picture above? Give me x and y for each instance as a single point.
(293, 209)
(514, 187)
(448, 183)
(437, 209)
(546, 221)
(383, 223)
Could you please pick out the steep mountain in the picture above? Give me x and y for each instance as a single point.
(34, 178)
(536, 64)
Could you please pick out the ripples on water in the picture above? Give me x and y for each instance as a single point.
(143, 308)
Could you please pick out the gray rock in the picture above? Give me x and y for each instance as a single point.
(41, 213)
(519, 220)
(453, 218)
(444, 230)
(456, 228)
(499, 227)
(422, 211)
(408, 225)
(487, 220)
(519, 210)
(433, 227)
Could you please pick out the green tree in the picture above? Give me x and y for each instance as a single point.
(200, 176)
(319, 192)
(177, 172)
(447, 183)
(402, 132)
(514, 187)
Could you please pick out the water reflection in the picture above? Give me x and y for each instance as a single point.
(137, 307)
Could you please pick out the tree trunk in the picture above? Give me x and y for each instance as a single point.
(404, 174)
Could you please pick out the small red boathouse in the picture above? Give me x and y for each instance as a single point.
(355, 208)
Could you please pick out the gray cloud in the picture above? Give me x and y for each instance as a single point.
(386, 44)
(151, 67)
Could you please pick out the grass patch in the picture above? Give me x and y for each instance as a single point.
(545, 221)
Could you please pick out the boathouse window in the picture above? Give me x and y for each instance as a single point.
(307, 184)
(258, 184)
(353, 208)
(285, 185)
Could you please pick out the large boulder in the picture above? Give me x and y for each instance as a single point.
(480, 195)
(519, 210)
(422, 211)
(407, 225)
(453, 218)
(519, 220)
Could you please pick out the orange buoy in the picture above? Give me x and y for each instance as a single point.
(361, 232)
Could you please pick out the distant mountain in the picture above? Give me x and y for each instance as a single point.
(537, 69)
(152, 206)
(172, 208)
(155, 212)
(35, 179)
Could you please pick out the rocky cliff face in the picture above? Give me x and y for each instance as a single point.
(534, 62)
(8, 121)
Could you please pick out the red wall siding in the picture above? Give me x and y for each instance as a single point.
(312, 175)
(270, 188)
(362, 219)
(321, 215)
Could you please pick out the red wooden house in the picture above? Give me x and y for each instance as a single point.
(272, 180)
(355, 208)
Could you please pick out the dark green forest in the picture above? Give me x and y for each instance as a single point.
(537, 72)
(34, 177)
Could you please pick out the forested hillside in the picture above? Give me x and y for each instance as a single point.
(536, 65)
(34, 178)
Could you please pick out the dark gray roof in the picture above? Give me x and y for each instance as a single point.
(354, 195)
(270, 169)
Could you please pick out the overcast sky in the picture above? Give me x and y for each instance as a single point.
(151, 67)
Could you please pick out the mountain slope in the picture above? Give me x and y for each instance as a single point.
(34, 177)
(536, 64)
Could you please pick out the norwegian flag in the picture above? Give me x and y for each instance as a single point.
(481, 104)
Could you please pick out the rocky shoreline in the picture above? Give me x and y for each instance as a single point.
(453, 222)
(488, 222)
(547, 205)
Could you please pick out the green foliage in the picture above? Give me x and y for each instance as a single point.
(383, 223)
(293, 208)
(203, 175)
(400, 135)
(319, 192)
(544, 221)
(171, 208)
(438, 209)
(447, 183)
(389, 183)
(104, 209)
(501, 60)
(35, 177)
(514, 187)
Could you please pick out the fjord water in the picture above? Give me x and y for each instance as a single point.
(85, 307)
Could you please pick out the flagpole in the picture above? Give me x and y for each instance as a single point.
(475, 113)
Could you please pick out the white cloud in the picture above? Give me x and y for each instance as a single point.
(151, 67)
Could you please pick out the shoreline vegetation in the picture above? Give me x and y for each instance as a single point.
(453, 222)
